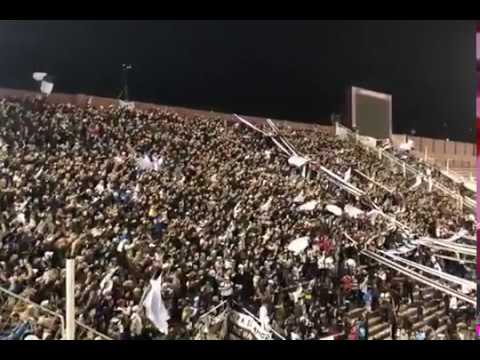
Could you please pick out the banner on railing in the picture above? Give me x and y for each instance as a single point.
(245, 327)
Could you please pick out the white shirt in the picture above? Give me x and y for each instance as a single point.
(330, 263)
(136, 326)
(263, 315)
(350, 263)
(453, 303)
(321, 262)
(295, 336)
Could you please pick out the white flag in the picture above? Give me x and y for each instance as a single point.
(145, 163)
(308, 206)
(155, 308)
(266, 206)
(39, 76)
(46, 87)
(21, 218)
(334, 209)
(347, 175)
(156, 163)
(236, 210)
(38, 173)
(407, 146)
(299, 198)
(297, 161)
(352, 211)
(298, 245)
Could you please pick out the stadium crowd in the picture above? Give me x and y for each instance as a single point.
(214, 215)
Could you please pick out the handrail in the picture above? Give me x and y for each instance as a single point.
(28, 301)
(211, 310)
(468, 202)
(105, 337)
(52, 313)
(418, 277)
(443, 275)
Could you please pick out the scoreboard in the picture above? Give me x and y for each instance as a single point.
(369, 112)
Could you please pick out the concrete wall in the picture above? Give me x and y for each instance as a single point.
(459, 154)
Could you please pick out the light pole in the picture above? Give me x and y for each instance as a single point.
(125, 68)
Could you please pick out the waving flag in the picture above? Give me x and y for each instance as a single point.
(46, 82)
(39, 76)
(308, 206)
(155, 308)
(299, 198)
(266, 206)
(352, 211)
(334, 209)
(298, 245)
(407, 146)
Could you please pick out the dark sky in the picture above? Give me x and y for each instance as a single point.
(296, 70)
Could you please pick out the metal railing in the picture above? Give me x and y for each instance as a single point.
(53, 313)
(38, 306)
(470, 203)
(418, 277)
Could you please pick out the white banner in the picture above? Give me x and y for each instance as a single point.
(252, 328)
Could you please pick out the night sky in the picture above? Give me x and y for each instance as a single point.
(295, 70)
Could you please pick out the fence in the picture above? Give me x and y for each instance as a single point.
(37, 306)
(54, 314)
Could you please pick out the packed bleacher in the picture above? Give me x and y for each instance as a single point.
(214, 207)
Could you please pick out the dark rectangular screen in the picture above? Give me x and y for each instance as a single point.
(373, 116)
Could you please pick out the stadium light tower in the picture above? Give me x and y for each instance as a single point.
(125, 68)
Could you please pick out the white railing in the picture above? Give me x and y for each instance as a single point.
(468, 202)
(38, 306)
(418, 277)
(53, 313)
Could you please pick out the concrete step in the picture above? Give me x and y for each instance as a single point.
(374, 320)
(426, 295)
(442, 329)
(423, 322)
(355, 313)
(381, 335)
(374, 330)
(411, 311)
(430, 310)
